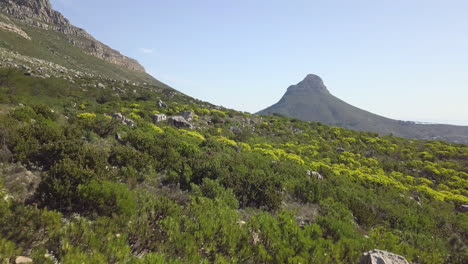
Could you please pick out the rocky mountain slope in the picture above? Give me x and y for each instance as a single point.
(35, 37)
(39, 13)
(310, 100)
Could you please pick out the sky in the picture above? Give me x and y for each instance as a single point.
(403, 59)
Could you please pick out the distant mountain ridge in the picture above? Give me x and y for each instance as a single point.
(39, 13)
(310, 100)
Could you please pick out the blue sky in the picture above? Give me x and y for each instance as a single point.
(404, 59)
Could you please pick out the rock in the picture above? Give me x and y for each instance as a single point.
(236, 130)
(117, 116)
(187, 115)
(21, 182)
(315, 174)
(23, 260)
(241, 223)
(463, 208)
(100, 86)
(382, 257)
(14, 29)
(159, 118)
(128, 122)
(125, 121)
(118, 137)
(5, 154)
(161, 104)
(340, 150)
(179, 121)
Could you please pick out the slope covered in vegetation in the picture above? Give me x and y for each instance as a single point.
(237, 188)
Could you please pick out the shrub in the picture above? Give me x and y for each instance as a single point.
(107, 198)
(58, 189)
(86, 116)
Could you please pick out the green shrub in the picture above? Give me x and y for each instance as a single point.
(58, 189)
(107, 198)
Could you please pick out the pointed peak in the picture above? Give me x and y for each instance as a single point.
(311, 82)
(312, 77)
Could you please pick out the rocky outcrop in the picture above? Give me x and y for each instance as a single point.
(37, 67)
(161, 104)
(188, 115)
(382, 257)
(20, 182)
(179, 122)
(23, 260)
(125, 120)
(14, 29)
(311, 82)
(315, 174)
(159, 118)
(39, 13)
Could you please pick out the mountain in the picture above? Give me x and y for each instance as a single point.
(310, 100)
(101, 163)
(34, 36)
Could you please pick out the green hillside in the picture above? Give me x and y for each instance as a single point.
(79, 186)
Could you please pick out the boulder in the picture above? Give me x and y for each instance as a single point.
(315, 174)
(128, 122)
(340, 150)
(23, 260)
(161, 104)
(100, 86)
(463, 208)
(159, 118)
(187, 115)
(179, 122)
(117, 116)
(125, 121)
(382, 257)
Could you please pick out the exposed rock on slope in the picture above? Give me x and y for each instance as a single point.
(14, 29)
(39, 13)
(382, 257)
(310, 100)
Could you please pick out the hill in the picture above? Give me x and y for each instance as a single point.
(36, 37)
(100, 168)
(310, 100)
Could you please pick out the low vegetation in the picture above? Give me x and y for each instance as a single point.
(238, 188)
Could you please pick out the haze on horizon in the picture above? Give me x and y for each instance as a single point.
(401, 59)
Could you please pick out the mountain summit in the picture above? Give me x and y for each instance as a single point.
(311, 83)
(310, 100)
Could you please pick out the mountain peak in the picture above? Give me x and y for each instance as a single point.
(310, 83)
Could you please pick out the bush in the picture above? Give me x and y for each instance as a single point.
(107, 198)
(214, 190)
(58, 189)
